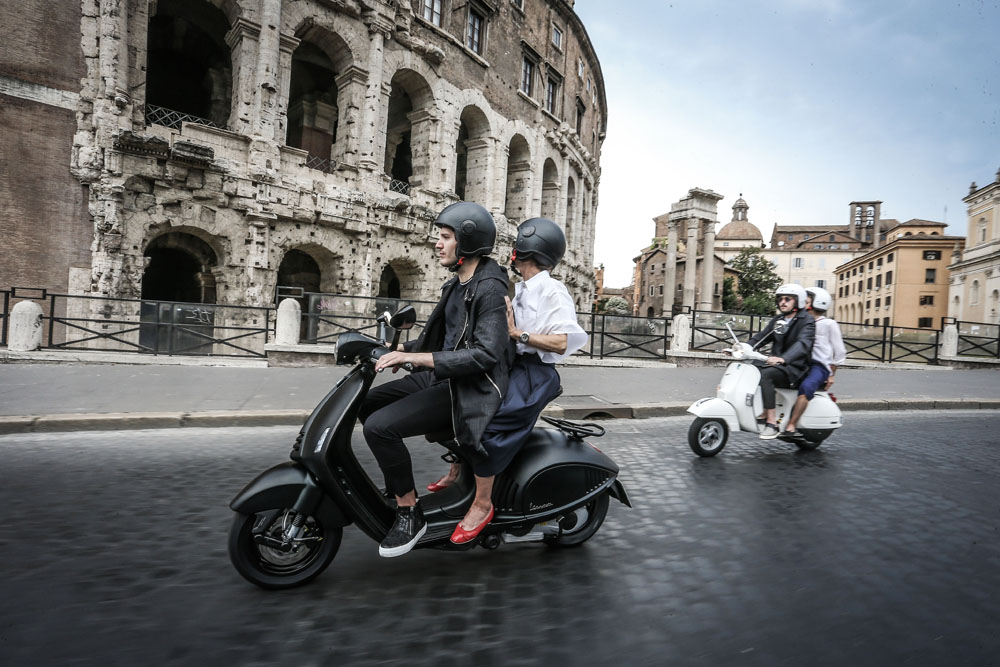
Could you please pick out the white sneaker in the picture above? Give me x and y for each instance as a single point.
(770, 432)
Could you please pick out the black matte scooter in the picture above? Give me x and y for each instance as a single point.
(289, 520)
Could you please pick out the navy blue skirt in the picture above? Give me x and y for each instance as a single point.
(533, 383)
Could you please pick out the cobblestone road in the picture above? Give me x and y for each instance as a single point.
(879, 548)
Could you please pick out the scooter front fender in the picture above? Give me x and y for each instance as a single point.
(281, 487)
(716, 408)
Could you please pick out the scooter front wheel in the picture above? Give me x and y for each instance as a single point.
(258, 552)
(707, 437)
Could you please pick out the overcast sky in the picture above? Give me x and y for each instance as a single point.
(801, 105)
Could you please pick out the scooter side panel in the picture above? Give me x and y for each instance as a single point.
(821, 413)
(716, 408)
(279, 488)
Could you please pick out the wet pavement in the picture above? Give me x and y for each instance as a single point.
(881, 547)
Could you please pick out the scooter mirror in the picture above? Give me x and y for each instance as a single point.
(404, 318)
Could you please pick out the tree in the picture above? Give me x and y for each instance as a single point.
(730, 300)
(757, 282)
(616, 306)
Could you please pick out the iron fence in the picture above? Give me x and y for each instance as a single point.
(106, 324)
(402, 187)
(709, 332)
(156, 115)
(326, 316)
(323, 164)
(978, 339)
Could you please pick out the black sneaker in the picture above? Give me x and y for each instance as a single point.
(770, 432)
(410, 526)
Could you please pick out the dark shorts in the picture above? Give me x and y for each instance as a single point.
(814, 380)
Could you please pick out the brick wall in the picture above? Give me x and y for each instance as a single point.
(41, 43)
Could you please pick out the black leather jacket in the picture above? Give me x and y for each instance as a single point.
(478, 368)
(794, 344)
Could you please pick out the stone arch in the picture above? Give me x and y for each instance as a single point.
(188, 64)
(181, 267)
(994, 312)
(407, 128)
(974, 293)
(956, 307)
(472, 155)
(313, 104)
(518, 187)
(550, 190)
(408, 274)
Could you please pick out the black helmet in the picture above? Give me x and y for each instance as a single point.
(542, 240)
(473, 225)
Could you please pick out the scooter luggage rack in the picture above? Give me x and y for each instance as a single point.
(576, 429)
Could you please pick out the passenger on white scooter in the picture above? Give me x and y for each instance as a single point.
(828, 353)
(542, 320)
(792, 332)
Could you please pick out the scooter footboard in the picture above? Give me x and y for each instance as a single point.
(281, 487)
(716, 408)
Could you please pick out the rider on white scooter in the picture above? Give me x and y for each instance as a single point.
(792, 332)
(827, 354)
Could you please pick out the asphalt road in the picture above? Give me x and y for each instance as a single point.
(879, 548)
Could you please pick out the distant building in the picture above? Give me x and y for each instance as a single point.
(902, 283)
(974, 293)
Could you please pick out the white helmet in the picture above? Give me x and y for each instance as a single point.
(791, 289)
(821, 298)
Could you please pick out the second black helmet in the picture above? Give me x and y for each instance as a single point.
(542, 240)
(473, 225)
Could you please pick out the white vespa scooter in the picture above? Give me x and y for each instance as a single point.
(737, 403)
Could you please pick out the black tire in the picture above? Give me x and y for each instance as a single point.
(272, 569)
(576, 532)
(707, 437)
(813, 438)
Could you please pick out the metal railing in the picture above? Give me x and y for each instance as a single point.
(106, 324)
(326, 316)
(709, 333)
(978, 339)
(4, 316)
(326, 165)
(156, 115)
(402, 187)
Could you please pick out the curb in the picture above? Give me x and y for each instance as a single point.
(123, 421)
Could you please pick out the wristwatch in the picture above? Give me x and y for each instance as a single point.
(523, 337)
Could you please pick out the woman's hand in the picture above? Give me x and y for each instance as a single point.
(512, 329)
(829, 383)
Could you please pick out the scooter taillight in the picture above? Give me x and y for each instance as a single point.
(594, 446)
(833, 398)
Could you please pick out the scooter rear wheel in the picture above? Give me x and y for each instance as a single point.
(707, 437)
(813, 438)
(272, 568)
(581, 525)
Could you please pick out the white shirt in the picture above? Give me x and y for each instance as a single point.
(828, 346)
(542, 305)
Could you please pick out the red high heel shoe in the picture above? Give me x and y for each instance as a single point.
(434, 487)
(461, 536)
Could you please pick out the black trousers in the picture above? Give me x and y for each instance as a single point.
(417, 404)
(771, 377)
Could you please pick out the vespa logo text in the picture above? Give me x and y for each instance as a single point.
(532, 507)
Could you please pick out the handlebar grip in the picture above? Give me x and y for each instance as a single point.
(408, 367)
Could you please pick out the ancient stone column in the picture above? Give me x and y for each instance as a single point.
(670, 279)
(691, 263)
(708, 266)
(268, 64)
(350, 102)
(242, 42)
(373, 127)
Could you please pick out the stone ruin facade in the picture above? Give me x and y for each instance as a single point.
(229, 147)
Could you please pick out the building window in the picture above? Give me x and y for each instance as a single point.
(889, 258)
(932, 254)
(661, 290)
(855, 272)
(926, 299)
(474, 37)
(888, 301)
(432, 11)
(982, 231)
(579, 69)
(885, 321)
(871, 265)
(869, 284)
(861, 285)
(551, 89)
(580, 111)
(878, 281)
(868, 304)
(925, 322)
(527, 75)
(930, 275)
(556, 37)
(974, 293)
(797, 263)
(821, 284)
(878, 303)
(888, 278)
(866, 321)
(878, 262)
(875, 321)
(518, 3)
(651, 288)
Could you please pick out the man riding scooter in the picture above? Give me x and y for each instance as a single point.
(828, 352)
(464, 355)
(792, 331)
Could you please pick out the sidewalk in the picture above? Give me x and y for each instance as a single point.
(67, 397)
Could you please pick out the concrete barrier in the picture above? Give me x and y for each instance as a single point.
(25, 327)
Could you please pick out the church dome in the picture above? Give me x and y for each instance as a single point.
(740, 230)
